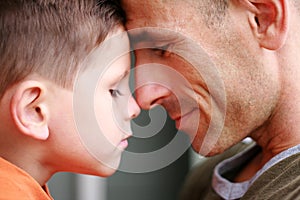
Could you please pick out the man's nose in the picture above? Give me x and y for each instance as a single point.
(150, 95)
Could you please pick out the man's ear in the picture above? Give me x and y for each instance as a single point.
(29, 109)
(269, 21)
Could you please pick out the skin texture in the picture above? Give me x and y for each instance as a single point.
(40, 133)
(254, 49)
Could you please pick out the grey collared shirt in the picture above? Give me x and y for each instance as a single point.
(230, 190)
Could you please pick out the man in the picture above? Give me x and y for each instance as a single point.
(252, 49)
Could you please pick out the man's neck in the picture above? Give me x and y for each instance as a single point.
(282, 130)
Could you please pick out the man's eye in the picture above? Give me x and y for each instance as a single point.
(162, 50)
(115, 93)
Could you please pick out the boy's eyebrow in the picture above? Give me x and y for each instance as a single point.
(125, 74)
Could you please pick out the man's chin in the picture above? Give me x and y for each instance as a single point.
(205, 150)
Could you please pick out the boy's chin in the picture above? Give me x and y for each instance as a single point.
(107, 170)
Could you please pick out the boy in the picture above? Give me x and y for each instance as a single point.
(44, 45)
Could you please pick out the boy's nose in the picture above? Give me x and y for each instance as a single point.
(150, 95)
(133, 108)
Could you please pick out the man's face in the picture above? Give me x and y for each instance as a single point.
(212, 81)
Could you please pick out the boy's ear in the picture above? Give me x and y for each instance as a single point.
(29, 110)
(269, 21)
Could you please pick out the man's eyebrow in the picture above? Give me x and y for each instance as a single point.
(138, 36)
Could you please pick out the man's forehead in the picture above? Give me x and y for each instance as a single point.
(156, 13)
(156, 4)
(144, 3)
(140, 14)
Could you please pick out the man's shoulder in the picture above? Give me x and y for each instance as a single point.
(282, 181)
(198, 182)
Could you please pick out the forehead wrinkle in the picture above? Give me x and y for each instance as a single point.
(149, 35)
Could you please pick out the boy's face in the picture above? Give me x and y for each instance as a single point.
(102, 109)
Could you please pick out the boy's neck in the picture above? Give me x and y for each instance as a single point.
(30, 163)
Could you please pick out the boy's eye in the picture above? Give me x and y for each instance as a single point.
(114, 93)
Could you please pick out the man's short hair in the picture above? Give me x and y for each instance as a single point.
(213, 11)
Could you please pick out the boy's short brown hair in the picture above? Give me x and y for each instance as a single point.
(52, 37)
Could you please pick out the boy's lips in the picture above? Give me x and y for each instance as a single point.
(124, 143)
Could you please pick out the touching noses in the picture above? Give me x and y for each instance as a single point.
(150, 95)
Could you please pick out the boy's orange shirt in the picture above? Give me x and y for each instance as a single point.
(17, 184)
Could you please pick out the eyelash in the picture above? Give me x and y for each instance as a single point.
(115, 93)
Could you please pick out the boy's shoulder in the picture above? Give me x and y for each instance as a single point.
(16, 183)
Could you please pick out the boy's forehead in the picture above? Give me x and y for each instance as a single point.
(112, 48)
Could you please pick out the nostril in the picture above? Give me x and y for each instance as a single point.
(153, 102)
